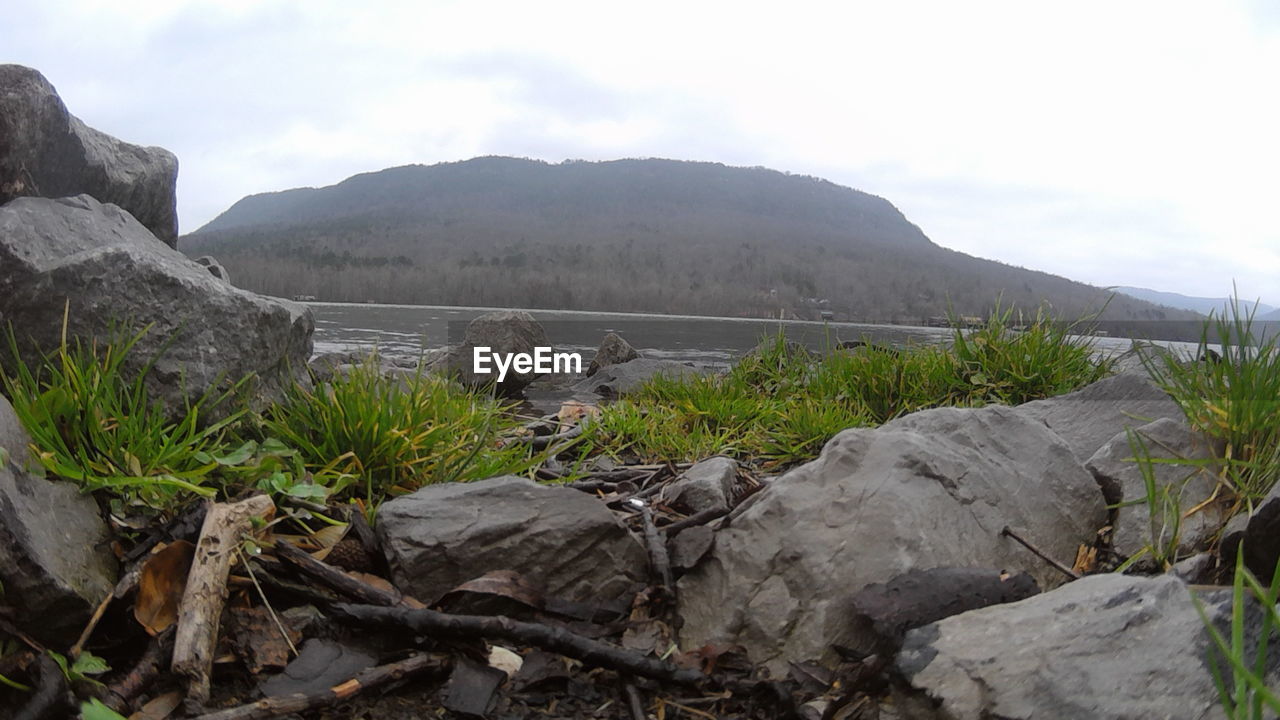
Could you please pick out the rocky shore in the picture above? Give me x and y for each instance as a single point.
(953, 563)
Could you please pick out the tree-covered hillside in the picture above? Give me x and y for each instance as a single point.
(629, 235)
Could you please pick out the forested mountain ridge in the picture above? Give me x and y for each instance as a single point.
(628, 235)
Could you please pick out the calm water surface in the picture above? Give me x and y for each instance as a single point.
(407, 330)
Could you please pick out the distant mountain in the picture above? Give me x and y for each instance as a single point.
(1202, 305)
(1273, 316)
(628, 235)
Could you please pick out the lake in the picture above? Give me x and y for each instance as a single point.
(713, 342)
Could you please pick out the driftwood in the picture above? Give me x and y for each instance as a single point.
(701, 517)
(658, 558)
(555, 639)
(335, 579)
(301, 702)
(121, 694)
(201, 608)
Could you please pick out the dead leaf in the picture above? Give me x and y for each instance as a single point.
(161, 584)
(160, 707)
(505, 660)
(574, 412)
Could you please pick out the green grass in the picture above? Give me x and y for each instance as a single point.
(92, 422)
(396, 435)
(93, 425)
(1236, 400)
(781, 405)
(1242, 683)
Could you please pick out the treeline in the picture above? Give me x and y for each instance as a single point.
(648, 236)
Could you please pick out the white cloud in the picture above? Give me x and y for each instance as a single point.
(1116, 143)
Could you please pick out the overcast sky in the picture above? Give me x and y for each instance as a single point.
(1117, 143)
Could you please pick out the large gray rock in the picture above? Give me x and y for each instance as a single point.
(504, 332)
(1106, 646)
(618, 380)
(113, 273)
(14, 441)
(1092, 415)
(45, 151)
(932, 489)
(1115, 468)
(613, 350)
(562, 540)
(55, 565)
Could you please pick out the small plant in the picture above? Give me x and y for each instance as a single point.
(1247, 694)
(93, 423)
(396, 434)
(1234, 398)
(1008, 366)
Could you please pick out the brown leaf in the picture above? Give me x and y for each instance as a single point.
(161, 707)
(161, 584)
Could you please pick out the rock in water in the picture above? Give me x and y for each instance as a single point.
(932, 489)
(506, 332)
(612, 351)
(113, 272)
(1106, 647)
(46, 152)
(55, 564)
(564, 541)
(1190, 484)
(618, 380)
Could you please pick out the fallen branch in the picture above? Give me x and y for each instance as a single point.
(635, 703)
(542, 442)
(122, 693)
(657, 547)
(701, 517)
(301, 702)
(555, 639)
(1057, 565)
(335, 579)
(206, 592)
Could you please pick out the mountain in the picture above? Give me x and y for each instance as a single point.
(1273, 316)
(1202, 305)
(628, 235)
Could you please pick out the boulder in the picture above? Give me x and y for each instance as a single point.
(114, 275)
(612, 351)
(1104, 647)
(707, 485)
(562, 540)
(55, 565)
(1121, 478)
(1259, 532)
(215, 268)
(1089, 417)
(504, 332)
(932, 489)
(47, 152)
(14, 441)
(618, 380)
